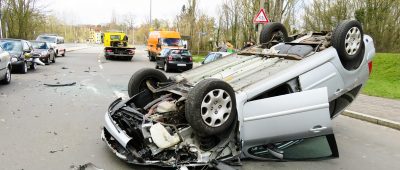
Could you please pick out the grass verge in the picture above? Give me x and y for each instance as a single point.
(385, 77)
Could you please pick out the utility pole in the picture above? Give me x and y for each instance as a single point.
(1, 19)
(260, 26)
(150, 14)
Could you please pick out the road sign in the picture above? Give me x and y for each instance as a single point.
(261, 17)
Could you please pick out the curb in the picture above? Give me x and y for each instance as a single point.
(372, 119)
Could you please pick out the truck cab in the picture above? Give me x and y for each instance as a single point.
(116, 46)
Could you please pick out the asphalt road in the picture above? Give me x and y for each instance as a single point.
(59, 127)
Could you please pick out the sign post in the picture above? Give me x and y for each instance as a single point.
(260, 18)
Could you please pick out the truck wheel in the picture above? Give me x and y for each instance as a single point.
(347, 39)
(210, 107)
(274, 31)
(137, 83)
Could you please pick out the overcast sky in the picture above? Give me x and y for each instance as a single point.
(100, 11)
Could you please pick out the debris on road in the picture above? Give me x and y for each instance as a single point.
(87, 166)
(64, 68)
(58, 84)
(54, 151)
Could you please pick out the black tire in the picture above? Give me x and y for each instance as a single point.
(24, 68)
(166, 68)
(157, 66)
(47, 61)
(7, 76)
(137, 83)
(193, 109)
(351, 58)
(33, 66)
(274, 31)
(63, 55)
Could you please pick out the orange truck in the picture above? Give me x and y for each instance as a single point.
(162, 39)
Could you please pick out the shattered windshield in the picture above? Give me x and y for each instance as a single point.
(11, 46)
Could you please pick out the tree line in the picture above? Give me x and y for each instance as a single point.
(234, 23)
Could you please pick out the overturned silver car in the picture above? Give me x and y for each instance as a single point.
(272, 101)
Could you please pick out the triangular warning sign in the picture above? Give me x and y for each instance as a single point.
(261, 17)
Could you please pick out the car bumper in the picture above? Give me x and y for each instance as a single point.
(180, 65)
(118, 55)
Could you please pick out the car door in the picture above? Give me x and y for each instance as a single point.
(271, 122)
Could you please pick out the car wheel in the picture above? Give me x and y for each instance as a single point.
(33, 66)
(47, 62)
(347, 39)
(274, 31)
(166, 69)
(63, 54)
(7, 77)
(24, 68)
(210, 107)
(138, 80)
(157, 66)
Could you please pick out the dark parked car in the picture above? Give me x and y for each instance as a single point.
(5, 67)
(178, 59)
(44, 51)
(20, 51)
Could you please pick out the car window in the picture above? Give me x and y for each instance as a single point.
(185, 52)
(11, 46)
(211, 57)
(164, 52)
(303, 149)
(39, 45)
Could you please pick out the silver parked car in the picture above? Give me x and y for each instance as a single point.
(5, 67)
(273, 101)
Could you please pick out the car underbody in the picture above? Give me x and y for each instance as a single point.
(152, 127)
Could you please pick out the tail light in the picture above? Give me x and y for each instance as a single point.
(370, 67)
(190, 59)
(169, 58)
(108, 50)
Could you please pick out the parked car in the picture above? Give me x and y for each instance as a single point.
(20, 51)
(5, 67)
(273, 101)
(159, 40)
(174, 59)
(212, 56)
(54, 42)
(43, 51)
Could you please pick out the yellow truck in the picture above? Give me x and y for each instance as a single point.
(162, 39)
(116, 46)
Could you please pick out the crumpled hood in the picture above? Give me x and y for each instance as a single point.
(15, 54)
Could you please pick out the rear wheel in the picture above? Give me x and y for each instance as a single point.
(274, 31)
(211, 107)
(138, 80)
(166, 69)
(347, 39)
(7, 77)
(24, 68)
(33, 66)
